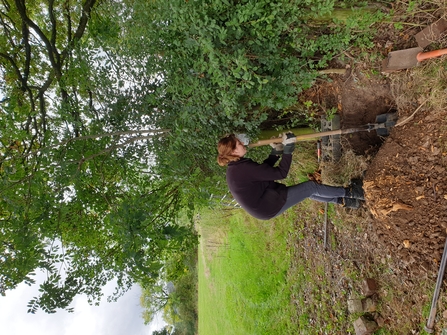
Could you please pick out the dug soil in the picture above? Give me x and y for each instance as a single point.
(405, 182)
(401, 227)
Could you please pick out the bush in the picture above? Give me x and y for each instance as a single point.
(225, 64)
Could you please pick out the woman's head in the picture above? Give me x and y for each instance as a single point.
(230, 149)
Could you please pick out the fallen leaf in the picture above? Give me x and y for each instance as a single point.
(396, 207)
(420, 197)
(407, 244)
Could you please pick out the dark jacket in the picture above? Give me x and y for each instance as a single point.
(254, 188)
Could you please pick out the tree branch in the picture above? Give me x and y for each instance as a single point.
(15, 67)
(117, 133)
(26, 71)
(53, 22)
(85, 16)
(51, 49)
(113, 147)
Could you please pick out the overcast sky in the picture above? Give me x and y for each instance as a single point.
(119, 318)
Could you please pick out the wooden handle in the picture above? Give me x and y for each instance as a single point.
(307, 136)
(265, 142)
(431, 54)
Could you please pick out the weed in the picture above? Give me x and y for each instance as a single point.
(330, 113)
(340, 173)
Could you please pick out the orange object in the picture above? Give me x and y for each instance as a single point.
(431, 54)
(319, 151)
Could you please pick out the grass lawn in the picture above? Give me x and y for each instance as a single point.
(243, 266)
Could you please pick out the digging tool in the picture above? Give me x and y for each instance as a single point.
(319, 151)
(431, 33)
(431, 318)
(383, 123)
(408, 58)
(325, 227)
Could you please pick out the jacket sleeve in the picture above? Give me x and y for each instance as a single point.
(271, 160)
(266, 172)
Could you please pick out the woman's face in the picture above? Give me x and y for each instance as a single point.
(240, 150)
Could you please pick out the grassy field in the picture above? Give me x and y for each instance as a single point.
(243, 264)
(255, 277)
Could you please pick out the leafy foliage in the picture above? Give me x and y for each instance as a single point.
(161, 332)
(78, 199)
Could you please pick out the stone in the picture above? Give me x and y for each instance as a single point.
(380, 321)
(369, 287)
(363, 326)
(355, 306)
(368, 305)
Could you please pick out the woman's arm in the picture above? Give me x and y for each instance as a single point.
(266, 172)
(271, 160)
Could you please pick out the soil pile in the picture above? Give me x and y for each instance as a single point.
(398, 235)
(405, 183)
(406, 191)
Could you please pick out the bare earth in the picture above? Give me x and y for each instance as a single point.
(398, 235)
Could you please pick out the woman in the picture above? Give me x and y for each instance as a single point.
(254, 187)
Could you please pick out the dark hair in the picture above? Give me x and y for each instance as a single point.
(225, 147)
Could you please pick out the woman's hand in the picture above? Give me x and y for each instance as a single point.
(288, 140)
(277, 149)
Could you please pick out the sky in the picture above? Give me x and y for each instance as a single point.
(115, 318)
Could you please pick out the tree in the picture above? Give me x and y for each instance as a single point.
(78, 199)
(154, 299)
(176, 294)
(163, 331)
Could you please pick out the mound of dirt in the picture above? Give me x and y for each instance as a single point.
(406, 191)
(401, 228)
(405, 183)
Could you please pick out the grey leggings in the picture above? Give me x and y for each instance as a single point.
(312, 190)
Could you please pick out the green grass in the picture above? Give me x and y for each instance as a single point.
(243, 286)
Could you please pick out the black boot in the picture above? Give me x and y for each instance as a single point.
(349, 202)
(355, 190)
